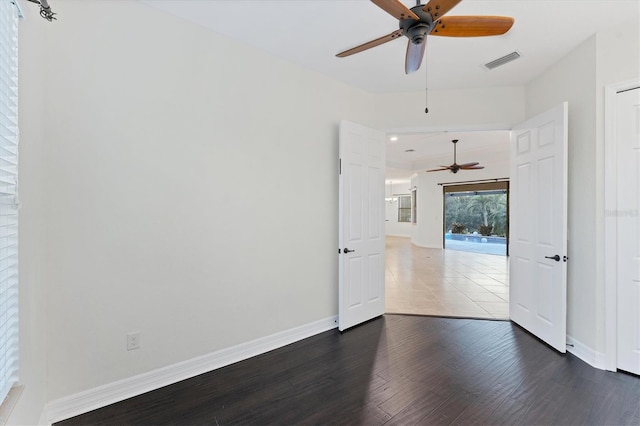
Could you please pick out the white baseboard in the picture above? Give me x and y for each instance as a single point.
(110, 393)
(587, 354)
(429, 246)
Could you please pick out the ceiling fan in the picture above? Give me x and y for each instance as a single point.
(428, 19)
(455, 167)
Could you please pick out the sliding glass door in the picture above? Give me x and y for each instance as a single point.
(476, 217)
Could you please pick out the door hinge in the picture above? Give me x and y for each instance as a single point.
(339, 251)
(340, 166)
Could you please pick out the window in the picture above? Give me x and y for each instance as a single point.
(404, 208)
(8, 197)
(414, 205)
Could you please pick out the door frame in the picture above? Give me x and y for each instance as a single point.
(610, 204)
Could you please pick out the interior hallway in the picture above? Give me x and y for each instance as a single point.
(445, 282)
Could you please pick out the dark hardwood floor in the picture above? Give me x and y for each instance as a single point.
(396, 370)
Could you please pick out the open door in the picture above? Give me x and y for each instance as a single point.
(538, 234)
(361, 235)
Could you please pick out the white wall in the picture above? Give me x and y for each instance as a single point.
(573, 80)
(392, 226)
(610, 56)
(144, 130)
(470, 109)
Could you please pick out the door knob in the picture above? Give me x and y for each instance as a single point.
(346, 250)
(556, 257)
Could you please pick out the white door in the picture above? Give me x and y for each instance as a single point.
(538, 226)
(628, 229)
(361, 236)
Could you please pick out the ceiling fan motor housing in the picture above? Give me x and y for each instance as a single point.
(416, 30)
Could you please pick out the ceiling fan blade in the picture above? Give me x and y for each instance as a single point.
(439, 170)
(469, 164)
(370, 44)
(437, 8)
(472, 168)
(415, 54)
(396, 9)
(472, 26)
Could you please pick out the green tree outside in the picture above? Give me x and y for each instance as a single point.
(475, 210)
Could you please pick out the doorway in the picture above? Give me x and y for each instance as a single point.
(421, 278)
(432, 281)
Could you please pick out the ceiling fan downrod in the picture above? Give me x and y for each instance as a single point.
(455, 150)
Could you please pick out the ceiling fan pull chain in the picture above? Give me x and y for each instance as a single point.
(426, 86)
(426, 97)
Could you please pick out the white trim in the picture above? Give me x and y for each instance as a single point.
(585, 353)
(447, 128)
(6, 406)
(398, 235)
(110, 393)
(610, 204)
(429, 246)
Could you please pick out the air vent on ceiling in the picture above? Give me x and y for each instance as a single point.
(501, 61)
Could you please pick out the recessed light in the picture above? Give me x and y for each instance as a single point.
(393, 138)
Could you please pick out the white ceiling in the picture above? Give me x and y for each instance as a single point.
(431, 150)
(310, 33)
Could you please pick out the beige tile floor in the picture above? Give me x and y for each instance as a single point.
(445, 282)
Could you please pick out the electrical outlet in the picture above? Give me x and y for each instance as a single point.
(133, 341)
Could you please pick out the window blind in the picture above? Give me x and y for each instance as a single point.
(8, 197)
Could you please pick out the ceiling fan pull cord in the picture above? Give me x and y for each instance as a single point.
(426, 86)
(426, 98)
